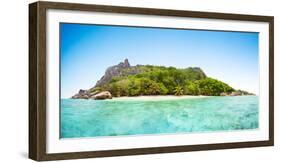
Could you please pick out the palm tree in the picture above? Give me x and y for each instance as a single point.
(178, 90)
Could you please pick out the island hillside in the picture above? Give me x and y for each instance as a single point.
(126, 80)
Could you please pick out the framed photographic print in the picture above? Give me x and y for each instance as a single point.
(112, 81)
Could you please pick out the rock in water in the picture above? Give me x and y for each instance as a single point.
(82, 94)
(102, 95)
(223, 94)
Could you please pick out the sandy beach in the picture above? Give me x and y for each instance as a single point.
(159, 97)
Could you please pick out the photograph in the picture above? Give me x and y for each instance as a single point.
(117, 80)
(139, 80)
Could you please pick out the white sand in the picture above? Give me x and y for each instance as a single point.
(159, 97)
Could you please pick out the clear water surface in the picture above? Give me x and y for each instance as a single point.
(92, 118)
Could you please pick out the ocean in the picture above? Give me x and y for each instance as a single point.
(95, 118)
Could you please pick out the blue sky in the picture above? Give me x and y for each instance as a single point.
(87, 50)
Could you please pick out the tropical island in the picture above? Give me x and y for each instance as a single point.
(146, 80)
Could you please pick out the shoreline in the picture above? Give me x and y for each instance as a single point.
(161, 97)
(157, 97)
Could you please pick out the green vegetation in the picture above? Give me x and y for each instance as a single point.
(178, 90)
(208, 87)
(159, 80)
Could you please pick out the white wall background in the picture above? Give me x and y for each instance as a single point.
(14, 80)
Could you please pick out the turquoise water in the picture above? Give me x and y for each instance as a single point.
(91, 118)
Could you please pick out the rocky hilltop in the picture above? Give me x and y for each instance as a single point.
(122, 69)
(126, 80)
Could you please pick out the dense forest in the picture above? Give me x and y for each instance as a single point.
(156, 80)
(126, 80)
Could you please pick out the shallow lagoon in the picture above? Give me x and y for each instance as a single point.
(92, 118)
